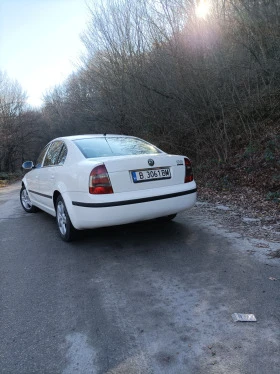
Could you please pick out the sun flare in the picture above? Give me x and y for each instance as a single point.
(202, 9)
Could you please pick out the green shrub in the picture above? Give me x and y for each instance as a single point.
(273, 196)
(4, 175)
(250, 150)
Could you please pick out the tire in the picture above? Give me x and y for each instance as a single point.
(167, 218)
(66, 230)
(26, 202)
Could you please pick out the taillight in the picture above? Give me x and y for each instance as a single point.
(188, 172)
(99, 181)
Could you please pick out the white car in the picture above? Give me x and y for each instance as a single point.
(90, 181)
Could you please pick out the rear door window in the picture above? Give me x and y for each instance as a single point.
(56, 154)
(62, 155)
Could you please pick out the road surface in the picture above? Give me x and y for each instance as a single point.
(143, 298)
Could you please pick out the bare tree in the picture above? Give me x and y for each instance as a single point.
(154, 69)
(12, 102)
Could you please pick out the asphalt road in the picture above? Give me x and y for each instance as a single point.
(142, 298)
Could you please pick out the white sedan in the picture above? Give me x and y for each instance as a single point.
(90, 181)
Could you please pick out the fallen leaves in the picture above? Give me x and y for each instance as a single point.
(275, 254)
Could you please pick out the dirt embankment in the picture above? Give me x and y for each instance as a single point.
(245, 212)
(243, 193)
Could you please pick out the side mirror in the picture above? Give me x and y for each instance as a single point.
(28, 165)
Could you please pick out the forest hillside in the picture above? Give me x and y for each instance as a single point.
(204, 85)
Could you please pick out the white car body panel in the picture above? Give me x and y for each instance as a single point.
(130, 201)
(33, 184)
(89, 217)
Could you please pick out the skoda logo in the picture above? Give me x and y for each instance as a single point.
(151, 162)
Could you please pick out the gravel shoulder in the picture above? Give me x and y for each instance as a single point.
(242, 214)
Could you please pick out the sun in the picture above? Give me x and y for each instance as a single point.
(202, 9)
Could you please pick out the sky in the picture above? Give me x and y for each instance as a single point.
(40, 42)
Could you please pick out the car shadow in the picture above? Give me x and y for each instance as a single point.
(141, 237)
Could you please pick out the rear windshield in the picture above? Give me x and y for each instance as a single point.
(104, 147)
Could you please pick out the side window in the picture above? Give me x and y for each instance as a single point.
(41, 157)
(62, 155)
(53, 153)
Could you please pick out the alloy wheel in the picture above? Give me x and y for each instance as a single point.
(26, 200)
(61, 218)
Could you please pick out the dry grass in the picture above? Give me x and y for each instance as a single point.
(3, 183)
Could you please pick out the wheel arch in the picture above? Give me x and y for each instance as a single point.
(55, 196)
(28, 206)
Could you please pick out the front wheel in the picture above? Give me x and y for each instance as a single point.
(64, 224)
(26, 202)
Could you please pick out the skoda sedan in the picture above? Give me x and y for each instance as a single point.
(91, 181)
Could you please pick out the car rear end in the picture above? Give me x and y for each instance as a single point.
(125, 188)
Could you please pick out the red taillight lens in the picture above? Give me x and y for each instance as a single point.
(99, 181)
(189, 172)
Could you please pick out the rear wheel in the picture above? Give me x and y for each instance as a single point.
(167, 218)
(26, 202)
(64, 224)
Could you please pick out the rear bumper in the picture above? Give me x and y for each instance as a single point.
(89, 211)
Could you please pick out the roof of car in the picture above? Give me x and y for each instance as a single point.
(86, 136)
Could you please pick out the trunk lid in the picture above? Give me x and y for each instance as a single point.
(140, 172)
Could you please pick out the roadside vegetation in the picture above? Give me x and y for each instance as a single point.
(206, 85)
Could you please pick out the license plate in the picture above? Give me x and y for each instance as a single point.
(150, 174)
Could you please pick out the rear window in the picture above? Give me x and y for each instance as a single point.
(110, 146)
